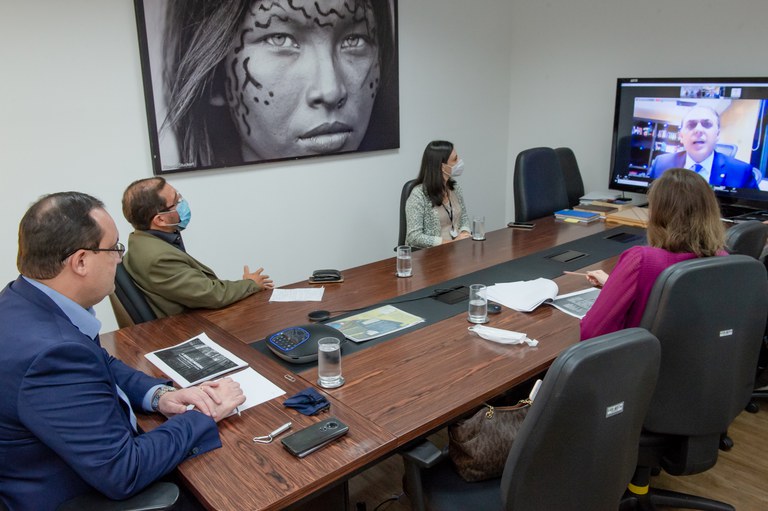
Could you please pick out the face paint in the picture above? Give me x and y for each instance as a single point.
(301, 78)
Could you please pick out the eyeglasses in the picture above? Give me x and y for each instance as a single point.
(118, 247)
(691, 124)
(172, 207)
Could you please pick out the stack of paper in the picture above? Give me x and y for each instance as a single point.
(637, 217)
(523, 296)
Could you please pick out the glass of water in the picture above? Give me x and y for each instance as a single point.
(329, 363)
(478, 304)
(478, 228)
(404, 262)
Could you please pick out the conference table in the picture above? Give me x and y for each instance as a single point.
(395, 392)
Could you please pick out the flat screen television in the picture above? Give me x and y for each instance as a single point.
(661, 123)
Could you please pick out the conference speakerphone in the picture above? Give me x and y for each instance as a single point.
(298, 344)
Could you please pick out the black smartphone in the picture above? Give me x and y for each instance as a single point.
(520, 225)
(312, 438)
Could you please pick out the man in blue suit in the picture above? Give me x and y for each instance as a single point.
(66, 421)
(699, 133)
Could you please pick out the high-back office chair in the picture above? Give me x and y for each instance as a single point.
(538, 184)
(577, 446)
(747, 238)
(574, 185)
(407, 188)
(160, 496)
(709, 315)
(132, 299)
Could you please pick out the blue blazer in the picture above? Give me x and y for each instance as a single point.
(63, 429)
(726, 171)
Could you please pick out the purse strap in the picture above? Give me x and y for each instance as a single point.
(491, 411)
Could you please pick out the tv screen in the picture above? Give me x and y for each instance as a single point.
(714, 126)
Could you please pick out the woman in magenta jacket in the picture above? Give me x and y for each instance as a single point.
(683, 223)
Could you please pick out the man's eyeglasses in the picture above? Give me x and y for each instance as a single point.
(691, 124)
(172, 207)
(119, 248)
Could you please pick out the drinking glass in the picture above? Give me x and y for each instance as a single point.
(478, 304)
(329, 363)
(404, 262)
(478, 228)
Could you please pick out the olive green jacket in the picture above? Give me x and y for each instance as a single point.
(173, 281)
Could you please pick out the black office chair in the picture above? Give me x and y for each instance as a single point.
(407, 188)
(578, 444)
(709, 316)
(574, 185)
(538, 184)
(131, 297)
(747, 238)
(160, 496)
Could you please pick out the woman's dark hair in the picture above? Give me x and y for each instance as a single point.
(430, 176)
(683, 214)
(53, 228)
(197, 39)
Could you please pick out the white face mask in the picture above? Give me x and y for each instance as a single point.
(454, 171)
(502, 336)
(457, 169)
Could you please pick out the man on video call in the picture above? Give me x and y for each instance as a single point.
(699, 133)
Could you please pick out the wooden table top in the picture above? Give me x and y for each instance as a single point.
(395, 391)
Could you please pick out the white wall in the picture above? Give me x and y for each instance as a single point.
(72, 118)
(567, 54)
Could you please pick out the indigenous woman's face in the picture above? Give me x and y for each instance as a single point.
(302, 77)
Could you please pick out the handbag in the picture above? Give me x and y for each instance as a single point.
(479, 445)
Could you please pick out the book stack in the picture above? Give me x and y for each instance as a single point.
(634, 216)
(574, 216)
(596, 208)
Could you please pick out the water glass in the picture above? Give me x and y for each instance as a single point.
(404, 262)
(478, 304)
(329, 363)
(478, 228)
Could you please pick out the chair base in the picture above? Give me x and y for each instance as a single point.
(639, 496)
(656, 498)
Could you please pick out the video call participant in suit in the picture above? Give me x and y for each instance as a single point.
(435, 212)
(699, 133)
(66, 423)
(683, 223)
(172, 280)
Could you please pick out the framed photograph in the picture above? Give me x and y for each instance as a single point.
(237, 82)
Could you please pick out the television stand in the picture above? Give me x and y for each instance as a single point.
(742, 211)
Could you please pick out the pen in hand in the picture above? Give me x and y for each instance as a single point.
(575, 273)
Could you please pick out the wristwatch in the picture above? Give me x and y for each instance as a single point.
(158, 394)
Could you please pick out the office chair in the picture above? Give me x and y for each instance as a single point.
(160, 496)
(574, 186)
(538, 184)
(131, 297)
(407, 188)
(577, 446)
(747, 238)
(727, 149)
(709, 316)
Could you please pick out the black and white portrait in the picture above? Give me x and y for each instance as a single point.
(234, 82)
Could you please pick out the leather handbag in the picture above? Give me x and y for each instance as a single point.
(478, 446)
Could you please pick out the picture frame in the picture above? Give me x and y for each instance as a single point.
(239, 82)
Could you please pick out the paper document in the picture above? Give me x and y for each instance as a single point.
(194, 361)
(257, 388)
(375, 323)
(301, 294)
(524, 295)
(600, 194)
(576, 304)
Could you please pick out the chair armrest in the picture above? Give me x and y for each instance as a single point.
(424, 454)
(160, 496)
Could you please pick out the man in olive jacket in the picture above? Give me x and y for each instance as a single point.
(172, 280)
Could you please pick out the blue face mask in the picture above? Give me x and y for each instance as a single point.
(185, 214)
